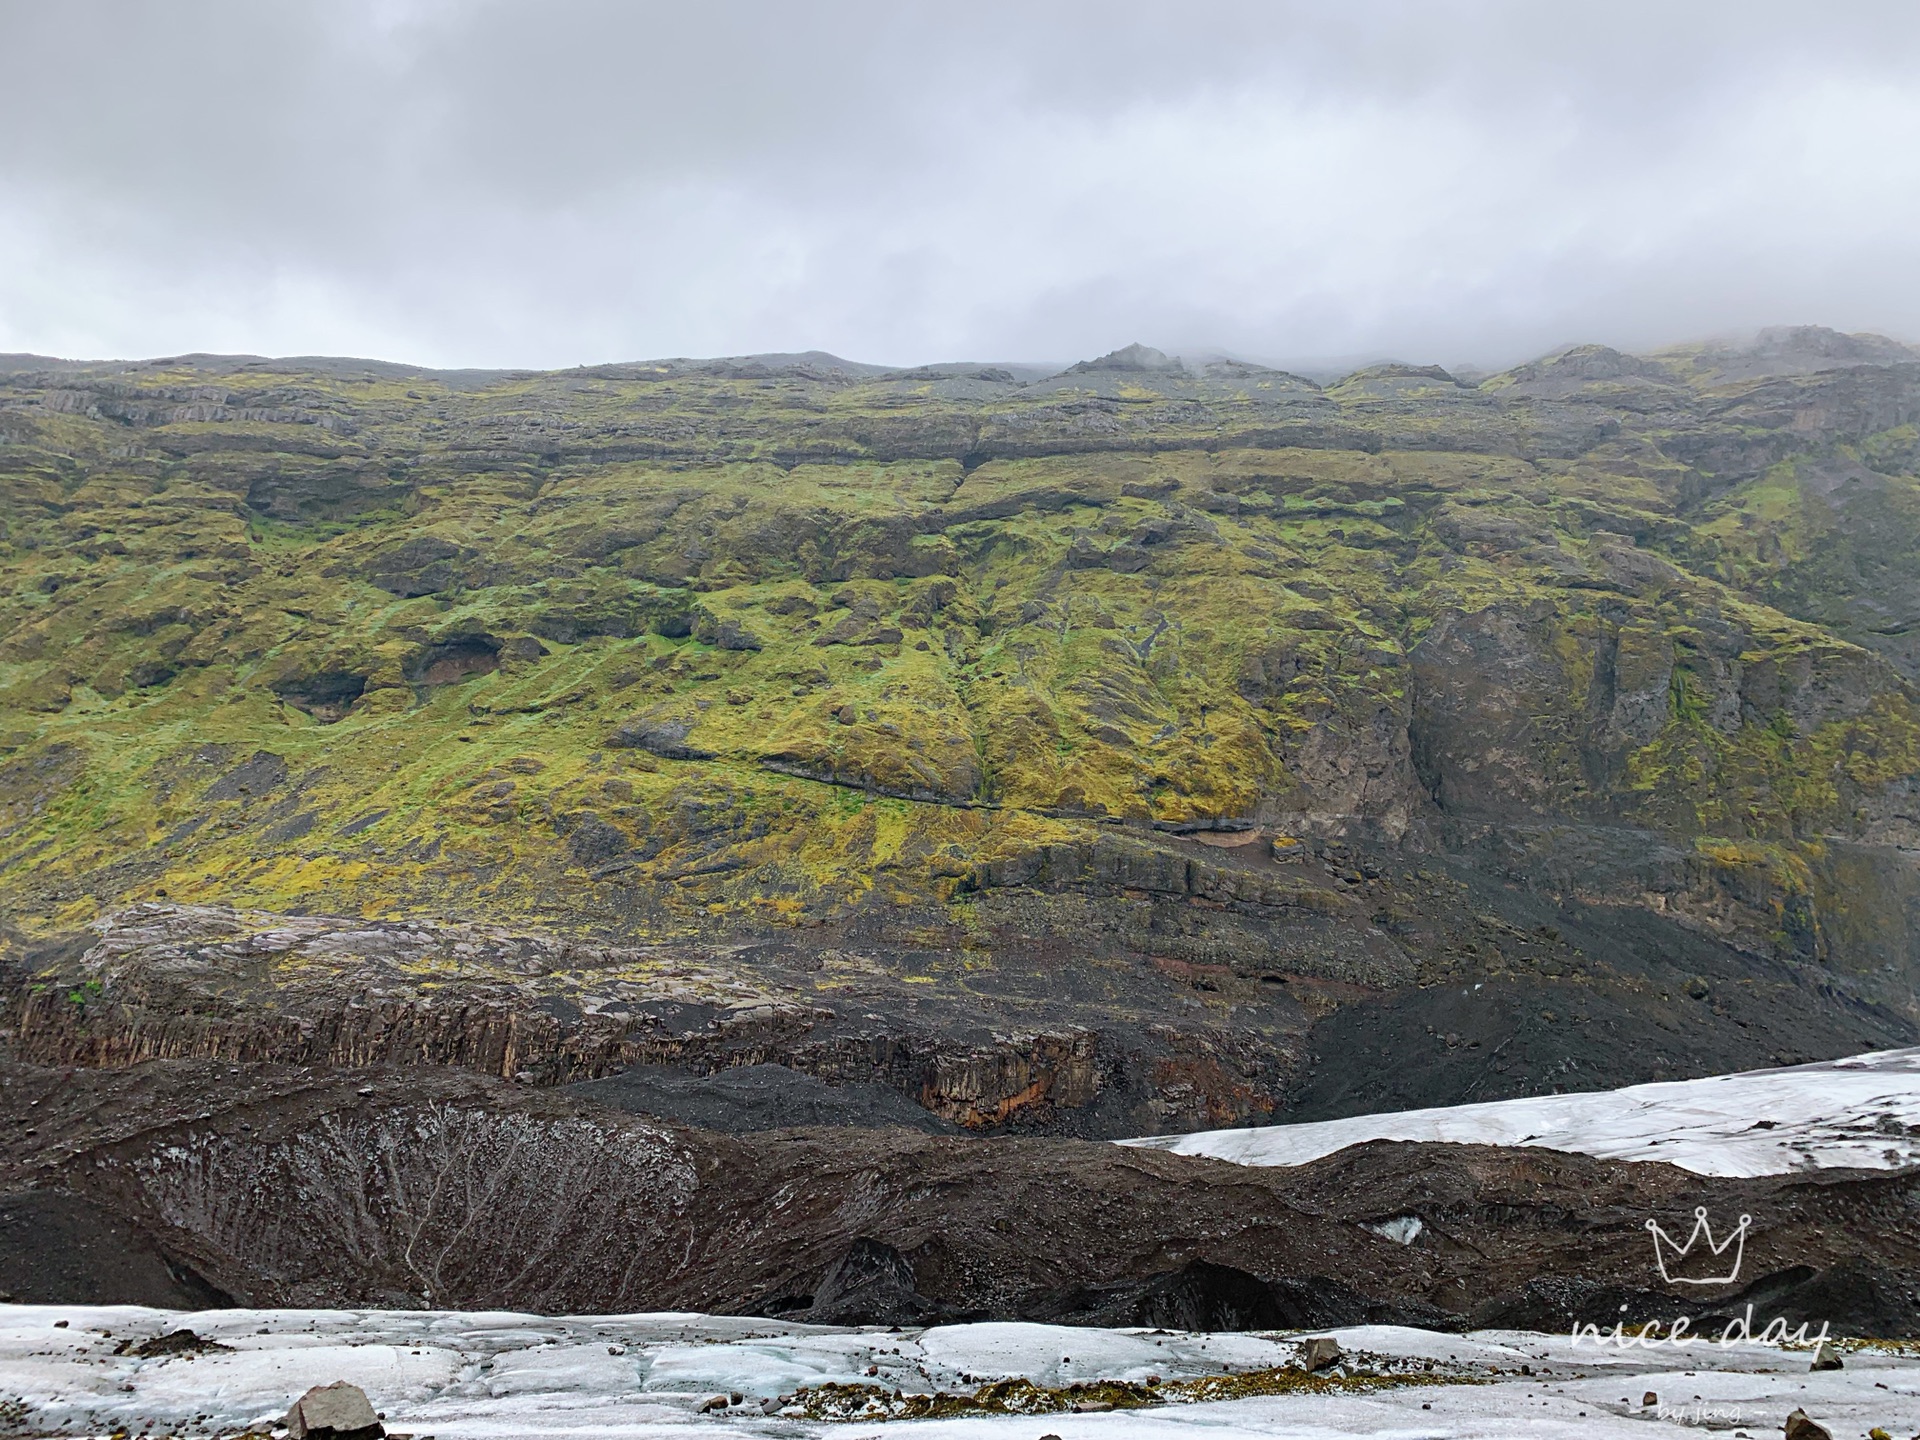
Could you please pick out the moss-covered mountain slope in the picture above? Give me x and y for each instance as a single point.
(1225, 726)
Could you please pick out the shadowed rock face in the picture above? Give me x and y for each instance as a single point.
(1148, 746)
(871, 1284)
(747, 1098)
(60, 1248)
(408, 1188)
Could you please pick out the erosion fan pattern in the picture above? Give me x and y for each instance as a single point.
(420, 1203)
(800, 649)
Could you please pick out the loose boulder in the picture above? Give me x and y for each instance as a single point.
(1320, 1352)
(1800, 1427)
(334, 1412)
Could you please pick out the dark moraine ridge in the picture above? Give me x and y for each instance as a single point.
(418, 1186)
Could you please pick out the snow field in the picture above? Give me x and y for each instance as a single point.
(1861, 1112)
(493, 1376)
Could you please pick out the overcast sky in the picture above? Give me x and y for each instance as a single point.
(458, 182)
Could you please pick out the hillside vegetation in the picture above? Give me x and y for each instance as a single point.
(1131, 730)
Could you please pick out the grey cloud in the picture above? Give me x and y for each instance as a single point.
(524, 183)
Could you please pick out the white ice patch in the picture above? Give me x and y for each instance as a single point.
(1058, 1355)
(551, 1369)
(1402, 1229)
(1862, 1112)
(761, 1369)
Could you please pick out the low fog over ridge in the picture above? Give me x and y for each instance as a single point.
(1773, 350)
(488, 185)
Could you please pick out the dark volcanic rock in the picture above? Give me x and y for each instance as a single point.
(662, 736)
(57, 1247)
(261, 774)
(1203, 1295)
(746, 1098)
(872, 1284)
(1016, 1052)
(1138, 357)
(174, 1342)
(423, 566)
(1850, 1297)
(326, 695)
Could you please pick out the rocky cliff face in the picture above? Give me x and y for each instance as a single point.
(1146, 747)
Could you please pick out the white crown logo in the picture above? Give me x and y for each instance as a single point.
(1663, 1244)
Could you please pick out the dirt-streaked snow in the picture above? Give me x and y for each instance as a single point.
(492, 1376)
(1861, 1112)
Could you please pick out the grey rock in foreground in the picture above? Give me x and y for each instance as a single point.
(334, 1412)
